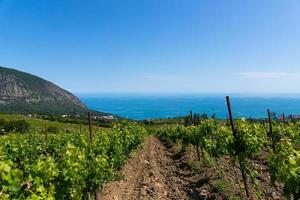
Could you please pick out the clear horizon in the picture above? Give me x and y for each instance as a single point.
(163, 106)
(157, 94)
(154, 46)
(182, 93)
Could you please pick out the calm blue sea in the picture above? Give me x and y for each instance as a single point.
(141, 106)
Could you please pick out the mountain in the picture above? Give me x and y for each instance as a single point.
(21, 92)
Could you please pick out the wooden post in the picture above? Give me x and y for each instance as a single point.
(271, 130)
(46, 133)
(97, 193)
(90, 126)
(270, 121)
(230, 116)
(283, 118)
(191, 118)
(235, 137)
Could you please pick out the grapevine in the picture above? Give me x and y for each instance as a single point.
(64, 165)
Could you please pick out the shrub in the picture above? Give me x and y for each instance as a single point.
(2, 122)
(52, 129)
(220, 186)
(20, 126)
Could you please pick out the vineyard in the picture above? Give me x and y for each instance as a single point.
(64, 165)
(79, 163)
(244, 142)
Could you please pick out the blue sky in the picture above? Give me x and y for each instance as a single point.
(164, 46)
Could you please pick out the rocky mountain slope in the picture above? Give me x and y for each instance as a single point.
(26, 93)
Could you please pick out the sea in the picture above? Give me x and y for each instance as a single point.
(152, 106)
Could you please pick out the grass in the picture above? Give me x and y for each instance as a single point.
(42, 125)
(221, 186)
(235, 198)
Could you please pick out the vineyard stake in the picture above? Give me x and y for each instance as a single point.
(235, 137)
(97, 193)
(46, 133)
(90, 126)
(271, 130)
(230, 116)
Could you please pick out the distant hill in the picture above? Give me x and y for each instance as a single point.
(21, 92)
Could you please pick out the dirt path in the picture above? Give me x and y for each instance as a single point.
(155, 173)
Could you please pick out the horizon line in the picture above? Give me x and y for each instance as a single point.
(250, 94)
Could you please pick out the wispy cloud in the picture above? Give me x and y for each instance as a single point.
(268, 75)
(161, 77)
